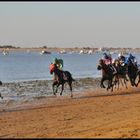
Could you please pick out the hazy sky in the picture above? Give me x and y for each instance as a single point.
(70, 24)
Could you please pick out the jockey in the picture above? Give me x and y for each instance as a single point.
(121, 58)
(132, 59)
(59, 63)
(108, 61)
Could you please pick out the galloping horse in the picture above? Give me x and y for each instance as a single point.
(107, 74)
(138, 75)
(132, 72)
(0, 93)
(62, 78)
(121, 73)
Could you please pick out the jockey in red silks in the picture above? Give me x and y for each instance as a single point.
(108, 61)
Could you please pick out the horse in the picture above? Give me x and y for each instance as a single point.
(132, 73)
(120, 78)
(62, 77)
(0, 93)
(107, 74)
(138, 75)
(121, 74)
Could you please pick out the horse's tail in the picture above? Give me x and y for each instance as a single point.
(69, 75)
(0, 82)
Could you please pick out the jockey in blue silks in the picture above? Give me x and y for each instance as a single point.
(131, 58)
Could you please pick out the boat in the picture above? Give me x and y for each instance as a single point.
(63, 52)
(44, 52)
(90, 52)
(81, 52)
(5, 52)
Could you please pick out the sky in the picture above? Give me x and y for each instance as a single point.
(70, 24)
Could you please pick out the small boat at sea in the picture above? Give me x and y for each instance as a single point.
(83, 52)
(44, 52)
(90, 52)
(63, 52)
(5, 52)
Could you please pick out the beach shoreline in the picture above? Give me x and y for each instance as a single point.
(20, 93)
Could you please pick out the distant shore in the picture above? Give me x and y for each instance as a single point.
(76, 49)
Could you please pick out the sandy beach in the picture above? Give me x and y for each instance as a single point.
(91, 113)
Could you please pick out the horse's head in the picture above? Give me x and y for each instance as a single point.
(53, 67)
(117, 63)
(100, 64)
(133, 66)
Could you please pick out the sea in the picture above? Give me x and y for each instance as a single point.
(18, 67)
(27, 66)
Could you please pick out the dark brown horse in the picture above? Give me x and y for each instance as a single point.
(0, 93)
(107, 74)
(137, 76)
(132, 73)
(121, 75)
(61, 78)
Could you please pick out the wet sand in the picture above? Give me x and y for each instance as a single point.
(91, 113)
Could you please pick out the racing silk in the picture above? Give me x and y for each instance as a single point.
(59, 63)
(107, 61)
(133, 60)
(122, 60)
(127, 60)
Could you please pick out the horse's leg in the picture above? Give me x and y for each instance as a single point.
(70, 85)
(139, 79)
(62, 89)
(0, 82)
(125, 83)
(118, 83)
(112, 81)
(109, 85)
(1, 96)
(115, 81)
(135, 79)
(58, 84)
(121, 81)
(138, 74)
(131, 81)
(134, 82)
(102, 85)
(53, 86)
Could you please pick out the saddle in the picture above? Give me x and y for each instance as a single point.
(65, 76)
